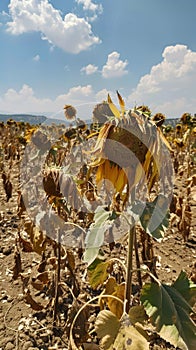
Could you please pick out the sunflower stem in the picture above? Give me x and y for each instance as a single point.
(128, 288)
(57, 279)
(139, 277)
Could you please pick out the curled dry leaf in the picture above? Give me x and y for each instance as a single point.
(36, 237)
(41, 267)
(115, 289)
(53, 261)
(37, 285)
(43, 277)
(26, 246)
(38, 241)
(29, 300)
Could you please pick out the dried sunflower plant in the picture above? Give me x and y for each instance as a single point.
(90, 186)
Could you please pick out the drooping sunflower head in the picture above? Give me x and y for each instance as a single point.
(70, 112)
(159, 119)
(101, 113)
(125, 153)
(185, 118)
(178, 128)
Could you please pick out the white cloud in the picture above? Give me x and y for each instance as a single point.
(3, 18)
(89, 69)
(36, 58)
(22, 101)
(25, 101)
(78, 93)
(89, 5)
(170, 86)
(71, 33)
(102, 95)
(114, 67)
(83, 98)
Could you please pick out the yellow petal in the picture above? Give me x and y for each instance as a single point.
(114, 174)
(107, 169)
(121, 102)
(153, 176)
(95, 133)
(147, 161)
(100, 173)
(121, 181)
(138, 173)
(113, 108)
(97, 162)
(104, 131)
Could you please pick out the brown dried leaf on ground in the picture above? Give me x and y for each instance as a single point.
(29, 300)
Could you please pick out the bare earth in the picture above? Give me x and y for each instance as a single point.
(22, 328)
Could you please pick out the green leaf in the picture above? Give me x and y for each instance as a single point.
(169, 312)
(155, 217)
(117, 334)
(95, 235)
(90, 255)
(99, 274)
(94, 264)
(185, 287)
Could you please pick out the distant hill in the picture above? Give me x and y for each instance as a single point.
(41, 119)
(36, 119)
(31, 119)
(171, 121)
(27, 118)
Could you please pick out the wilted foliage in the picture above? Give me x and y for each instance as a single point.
(85, 186)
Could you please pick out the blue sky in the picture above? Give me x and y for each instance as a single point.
(56, 52)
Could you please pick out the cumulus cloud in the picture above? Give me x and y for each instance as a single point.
(89, 69)
(71, 33)
(102, 95)
(89, 5)
(22, 101)
(26, 101)
(114, 67)
(78, 93)
(3, 18)
(170, 86)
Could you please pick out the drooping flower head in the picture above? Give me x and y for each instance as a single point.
(129, 149)
(70, 112)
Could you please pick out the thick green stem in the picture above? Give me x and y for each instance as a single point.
(128, 288)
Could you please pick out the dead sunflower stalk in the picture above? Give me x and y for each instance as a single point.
(129, 154)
